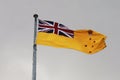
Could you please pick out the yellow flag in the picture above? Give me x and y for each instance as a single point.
(58, 35)
(87, 41)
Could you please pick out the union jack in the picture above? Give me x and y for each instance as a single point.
(55, 28)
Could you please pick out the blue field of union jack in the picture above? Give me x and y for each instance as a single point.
(55, 28)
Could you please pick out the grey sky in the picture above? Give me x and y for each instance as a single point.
(16, 32)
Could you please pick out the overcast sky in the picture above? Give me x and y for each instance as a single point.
(16, 40)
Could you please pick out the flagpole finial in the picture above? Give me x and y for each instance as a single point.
(35, 15)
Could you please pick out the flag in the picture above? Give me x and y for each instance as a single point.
(58, 35)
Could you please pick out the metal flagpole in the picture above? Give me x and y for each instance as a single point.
(34, 48)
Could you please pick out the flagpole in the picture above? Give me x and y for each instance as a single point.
(34, 48)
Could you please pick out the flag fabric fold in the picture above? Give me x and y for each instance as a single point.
(58, 35)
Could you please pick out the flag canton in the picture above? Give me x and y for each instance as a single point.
(54, 27)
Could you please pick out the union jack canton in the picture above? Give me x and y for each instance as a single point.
(55, 28)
